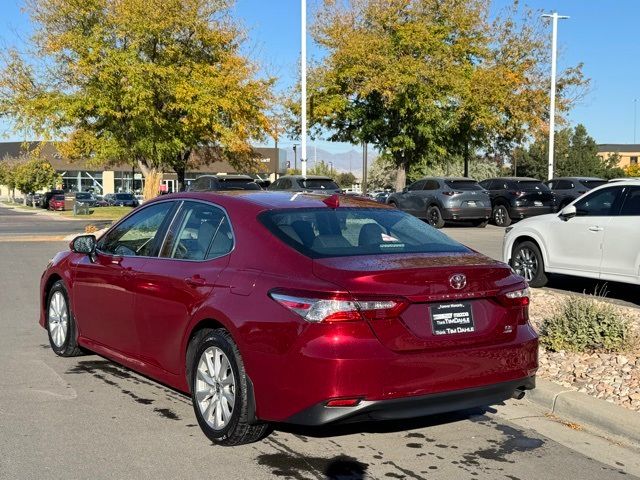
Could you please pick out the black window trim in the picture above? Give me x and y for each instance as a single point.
(176, 216)
(627, 189)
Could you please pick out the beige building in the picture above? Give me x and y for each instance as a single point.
(78, 176)
(628, 152)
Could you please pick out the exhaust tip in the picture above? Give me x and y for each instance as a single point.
(518, 394)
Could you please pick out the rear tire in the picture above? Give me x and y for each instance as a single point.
(220, 397)
(393, 204)
(434, 217)
(501, 216)
(527, 261)
(61, 325)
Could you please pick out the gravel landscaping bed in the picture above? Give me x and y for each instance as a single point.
(609, 376)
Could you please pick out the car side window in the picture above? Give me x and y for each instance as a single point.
(601, 203)
(631, 205)
(275, 185)
(563, 185)
(201, 231)
(486, 184)
(431, 185)
(136, 235)
(419, 185)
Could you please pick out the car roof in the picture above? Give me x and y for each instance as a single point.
(516, 179)
(228, 177)
(578, 178)
(267, 200)
(455, 179)
(308, 177)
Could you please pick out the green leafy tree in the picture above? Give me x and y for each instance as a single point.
(382, 173)
(34, 174)
(8, 175)
(128, 81)
(345, 179)
(424, 80)
(321, 168)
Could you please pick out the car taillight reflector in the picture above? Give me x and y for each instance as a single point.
(319, 307)
(343, 402)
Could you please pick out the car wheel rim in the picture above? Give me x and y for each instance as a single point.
(434, 217)
(500, 216)
(58, 319)
(526, 264)
(215, 390)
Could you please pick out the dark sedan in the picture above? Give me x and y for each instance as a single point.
(567, 189)
(122, 200)
(308, 183)
(514, 198)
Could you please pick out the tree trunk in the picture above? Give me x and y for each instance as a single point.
(466, 158)
(181, 168)
(401, 177)
(24, 199)
(152, 180)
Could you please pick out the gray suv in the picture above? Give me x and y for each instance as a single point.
(566, 189)
(438, 200)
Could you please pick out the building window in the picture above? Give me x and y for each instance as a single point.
(82, 181)
(634, 160)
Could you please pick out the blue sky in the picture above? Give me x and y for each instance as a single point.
(600, 33)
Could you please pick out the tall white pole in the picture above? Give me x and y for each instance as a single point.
(303, 85)
(552, 107)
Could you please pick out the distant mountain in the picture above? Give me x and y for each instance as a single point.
(348, 161)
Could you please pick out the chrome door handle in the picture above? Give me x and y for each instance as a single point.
(595, 228)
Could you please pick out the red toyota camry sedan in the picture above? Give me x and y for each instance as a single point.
(309, 309)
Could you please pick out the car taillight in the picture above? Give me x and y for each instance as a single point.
(517, 193)
(331, 307)
(517, 298)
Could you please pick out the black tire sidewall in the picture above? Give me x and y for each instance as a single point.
(215, 339)
(71, 331)
(507, 220)
(440, 222)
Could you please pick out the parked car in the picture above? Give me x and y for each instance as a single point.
(34, 199)
(100, 201)
(438, 200)
(86, 198)
(312, 310)
(56, 202)
(566, 189)
(213, 183)
(381, 197)
(514, 198)
(121, 200)
(595, 236)
(309, 183)
(47, 197)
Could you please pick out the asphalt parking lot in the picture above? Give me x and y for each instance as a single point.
(87, 417)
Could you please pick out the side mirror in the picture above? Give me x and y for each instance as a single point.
(568, 212)
(84, 244)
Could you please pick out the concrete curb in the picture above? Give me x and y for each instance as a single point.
(608, 418)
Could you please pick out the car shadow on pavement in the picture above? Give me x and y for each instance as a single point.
(619, 293)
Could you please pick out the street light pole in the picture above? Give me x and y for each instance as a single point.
(295, 157)
(303, 85)
(635, 118)
(552, 107)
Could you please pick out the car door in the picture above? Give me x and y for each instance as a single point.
(621, 250)
(576, 244)
(105, 287)
(175, 286)
(410, 200)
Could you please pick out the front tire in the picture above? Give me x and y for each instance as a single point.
(501, 216)
(61, 325)
(219, 390)
(434, 217)
(527, 262)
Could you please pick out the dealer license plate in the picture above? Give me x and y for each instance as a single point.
(451, 318)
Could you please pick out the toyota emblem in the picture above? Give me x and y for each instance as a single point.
(458, 281)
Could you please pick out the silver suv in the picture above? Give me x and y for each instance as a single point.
(440, 199)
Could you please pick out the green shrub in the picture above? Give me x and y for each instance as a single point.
(583, 324)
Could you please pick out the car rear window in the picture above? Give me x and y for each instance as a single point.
(319, 184)
(463, 184)
(529, 185)
(323, 232)
(124, 196)
(592, 183)
(237, 184)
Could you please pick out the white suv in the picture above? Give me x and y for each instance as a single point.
(595, 236)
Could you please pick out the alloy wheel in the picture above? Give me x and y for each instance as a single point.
(58, 319)
(434, 217)
(525, 263)
(215, 388)
(500, 216)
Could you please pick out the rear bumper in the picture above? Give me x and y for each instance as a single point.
(525, 212)
(412, 407)
(478, 213)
